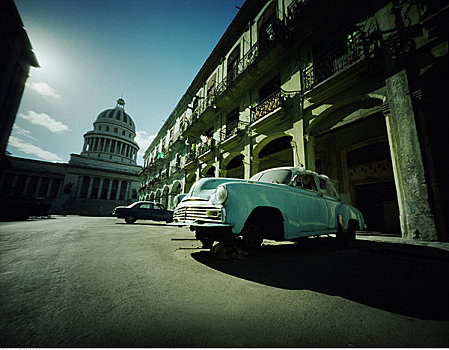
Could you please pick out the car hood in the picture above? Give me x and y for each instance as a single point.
(204, 188)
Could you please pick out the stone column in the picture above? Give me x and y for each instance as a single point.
(38, 187)
(309, 152)
(79, 184)
(415, 216)
(89, 190)
(109, 189)
(50, 184)
(119, 187)
(255, 161)
(127, 191)
(27, 184)
(100, 188)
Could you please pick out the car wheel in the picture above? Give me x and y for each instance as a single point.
(207, 243)
(346, 237)
(130, 219)
(252, 236)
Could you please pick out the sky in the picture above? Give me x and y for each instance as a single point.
(93, 52)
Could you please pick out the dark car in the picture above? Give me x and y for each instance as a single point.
(143, 211)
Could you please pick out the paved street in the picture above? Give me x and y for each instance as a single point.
(97, 282)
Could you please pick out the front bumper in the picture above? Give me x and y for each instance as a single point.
(199, 223)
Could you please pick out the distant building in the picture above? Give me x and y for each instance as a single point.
(16, 57)
(351, 89)
(102, 177)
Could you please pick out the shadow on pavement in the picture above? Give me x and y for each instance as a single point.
(404, 279)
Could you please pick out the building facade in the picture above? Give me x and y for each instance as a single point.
(103, 176)
(16, 58)
(351, 90)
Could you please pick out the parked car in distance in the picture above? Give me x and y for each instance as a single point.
(143, 210)
(285, 203)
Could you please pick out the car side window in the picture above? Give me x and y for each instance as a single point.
(158, 206)
(146, 206)
(327, 188)
(306, 182)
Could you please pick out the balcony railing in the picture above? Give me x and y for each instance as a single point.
(267, 106)
(205, 147)
(295, 9)
(336, 60)
(231, 129)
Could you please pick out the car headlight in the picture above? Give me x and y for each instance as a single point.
(221, 194)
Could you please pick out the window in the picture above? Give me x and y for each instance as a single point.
(282, 176)
(146, 206)
(270, 88)
(306, 182)
(327, 188)
(115, 131)
(233, 61)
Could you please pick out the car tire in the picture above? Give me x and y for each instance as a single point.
(252, 236)
(206, 243)
(347, 238)
(130, 219)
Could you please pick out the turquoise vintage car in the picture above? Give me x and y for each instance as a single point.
(285, 203)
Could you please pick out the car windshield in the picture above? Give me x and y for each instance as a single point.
(278, 176)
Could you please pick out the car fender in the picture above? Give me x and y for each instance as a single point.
(244, 198)
(346, 212)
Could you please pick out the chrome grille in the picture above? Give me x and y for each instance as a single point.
(194, 213)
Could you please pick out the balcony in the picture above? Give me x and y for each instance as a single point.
(242, 65)
(231, 135)
(204, 147)
(336, 62)
(269, 108)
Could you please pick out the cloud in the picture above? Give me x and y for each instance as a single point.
(44, 120)
(43, 89)
(143, 140)
(31, 149)
(18, 131)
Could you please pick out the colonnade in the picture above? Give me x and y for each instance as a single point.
(107, 145)
(102, 188)
(29, 186)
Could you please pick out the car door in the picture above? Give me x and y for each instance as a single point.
(312, 208)
(146, 211)
(332, 201)
(159, 212)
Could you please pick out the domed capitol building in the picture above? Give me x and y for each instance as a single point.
(103, 176)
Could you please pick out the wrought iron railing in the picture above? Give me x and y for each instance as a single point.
(270, 104)
(295, 8)
(205, 147)
(231, 129)
(335, 60)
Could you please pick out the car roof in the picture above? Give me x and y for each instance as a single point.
(296, 170)
(144, 202)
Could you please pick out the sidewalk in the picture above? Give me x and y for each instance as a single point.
(379, 237)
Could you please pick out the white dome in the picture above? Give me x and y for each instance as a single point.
(112, 137)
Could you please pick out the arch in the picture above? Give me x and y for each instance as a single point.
(276, 153)
(175, 190)
(151, 197)
(164, 196)
(235, 167)
(208, 171)
(190, 180)
(345, 110)
(157, 197)
(260, 145)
